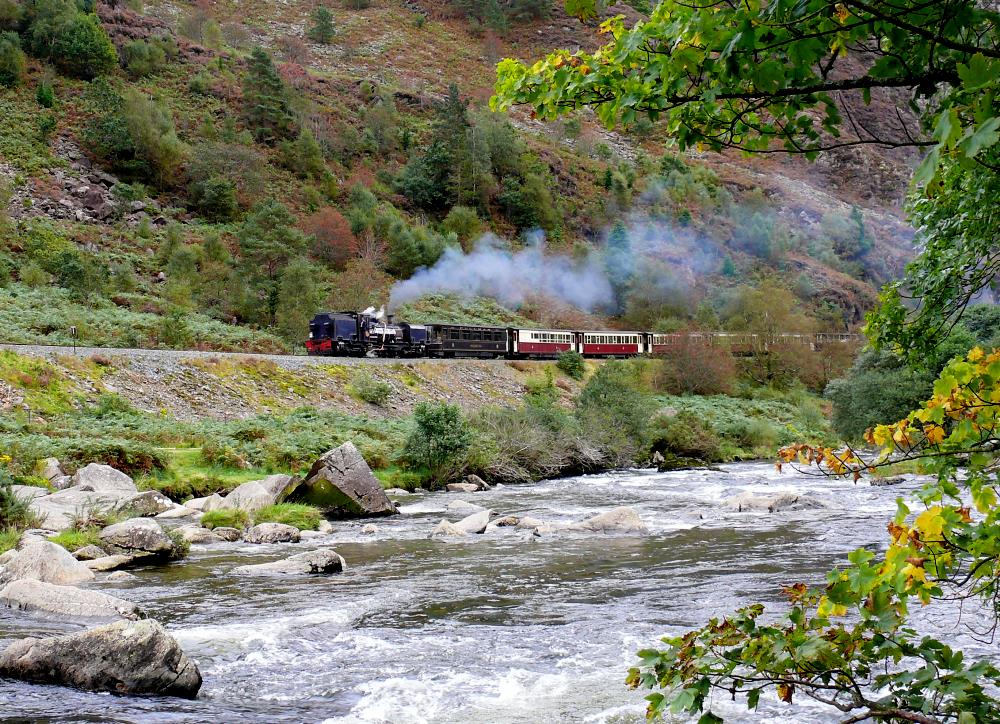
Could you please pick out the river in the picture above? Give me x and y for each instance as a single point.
(505, 627)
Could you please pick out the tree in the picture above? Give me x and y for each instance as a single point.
(322, 30)
(362, 284)
(266, 103)
(298, 300)
(334, 242)
(215, 199)
(614, 413)
(82, 49)
(268, 240)
(12, 60)
(464, 223)
(151, 128)
(439, 438)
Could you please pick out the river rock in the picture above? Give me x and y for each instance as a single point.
(139, 538)
(256, 494)
(475, 523)
(34, 535)
(311, 535)
(617, 520)
(447, 529)
(340, 483)
(463, 507)
(104, 478)
(461, 487)
(126, 657)
(179, 511)
(89, 553)
(272, 533)
(529, 523)
(473, 479)
(324, 560)
(145, 504)
(108, 563)
(120, 577)
(325, 527)
(771, 502)
(885, 482)
(51, 469)
(48, 562)
(369, 529)
(229, 535)
(66, 601)
(197, 534)
(59, 510)
(507, 521)
(61, 482)
(206, 504)
(397, 491)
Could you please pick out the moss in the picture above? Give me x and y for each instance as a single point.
(303, 517)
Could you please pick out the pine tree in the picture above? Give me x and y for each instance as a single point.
(322, 30)
(298, 299)
(266, 99)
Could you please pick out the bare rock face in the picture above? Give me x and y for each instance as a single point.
(323, 561)
(48, 562)
(256, 494)
(65, 601)
(52, 469)
(341, 484)
(126, 657)
(272, 533)
(139, 538)
(104, 478)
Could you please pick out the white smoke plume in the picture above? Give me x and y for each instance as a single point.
(490, 270)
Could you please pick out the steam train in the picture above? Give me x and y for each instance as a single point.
(360, 334)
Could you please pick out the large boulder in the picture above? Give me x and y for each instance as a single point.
(59, 510)
(28, 493)
(125, 657)
(463, 507)
(324, 560)
(447, 529)
(272, 533)
(206, 504)
(139, 538)
(461, 487)
(108, 563)
(475, 523)
(104, 478)
(145, 504)
(197, 534)
(230, 535)
(65, 601)
(616, 520)
(48, 562)
(341, 484)
(256, 494)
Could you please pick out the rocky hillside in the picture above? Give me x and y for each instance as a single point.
(233, 167)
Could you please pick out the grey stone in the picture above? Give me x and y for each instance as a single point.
(461, 487)
(311, 535)
(272, 533)
(324, 560)
(28, 492)
(473, 479)
(59, 509)
(197, 534)
(139, 538)
(340, 483)
(885, 482)
(206, 504)
(507, 521)
(325, 526)
(530, 523)
(146, 503)
(108, 563)
(771, 502)
(65, 601)
(397, 491)
(7, 556)
(179, 511)
(52, 468)
(447, 529)
(89, 553)
(463, 507)
(230, 535)
(369, 529)
(616, 520)
(48, 562)
(61, 482)
(256, 494)
(125, 657)
(120, 576)
(104, 478)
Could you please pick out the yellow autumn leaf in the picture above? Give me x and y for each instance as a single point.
(934, 433)
(930, 523)
(914, 573)
(976, 354)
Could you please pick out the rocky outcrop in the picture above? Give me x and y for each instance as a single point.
(28, 493)
(48, 562)
(341, 484)
(65, 601)
(272, 533)
(59, 509)
(145, 504)
(140, 538)
(256, 494)
(322, 561)
(126, 657)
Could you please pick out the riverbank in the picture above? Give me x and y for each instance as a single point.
(502, 627)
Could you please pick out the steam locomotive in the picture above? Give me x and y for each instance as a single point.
(360, 334)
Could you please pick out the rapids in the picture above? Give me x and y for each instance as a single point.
(507, 627)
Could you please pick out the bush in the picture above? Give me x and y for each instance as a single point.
(333, 241)
(439, 439)
(14, 511)
(141, 58)
(45, 96)
(529, 204)
(685, 435)
(226, 518)
(572, 364)
(73, 539)
(12, 61)
(322, 30)
(215, 199)
(298, 515)
(81, 48)
(369, 389)
(464, 223)
(303, 156)
(128, 456)
(614, 413)
(695, 367)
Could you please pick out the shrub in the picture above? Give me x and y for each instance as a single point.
(151, 128)
(45, 96)
(74, 539)
(82, 49)
(14, 511)
(529, 204)
(215, 199)
(46, 127)
(439, 439)
(614, 412)
(303, 156)
(128, 456)
(12, 61)
(298, 515)
(369, 389)
(141, 58)
(464, 223)
(226, 518)
(696, 367)
(333, 241)
(572, 364)
(685, 435)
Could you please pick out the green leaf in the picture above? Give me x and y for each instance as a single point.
(984, 136)
(581, 9)
(710, 718)
(927, 168)
(979, 72)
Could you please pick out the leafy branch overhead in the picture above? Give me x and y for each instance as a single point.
(781, 75)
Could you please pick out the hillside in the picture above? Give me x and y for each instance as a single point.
(231, 170)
